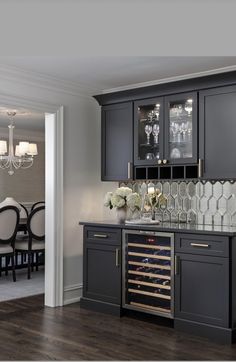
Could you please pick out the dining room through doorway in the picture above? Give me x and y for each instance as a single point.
(25, 187)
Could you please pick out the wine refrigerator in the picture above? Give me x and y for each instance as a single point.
(148, 272)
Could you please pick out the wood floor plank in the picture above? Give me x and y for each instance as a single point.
(30, 331)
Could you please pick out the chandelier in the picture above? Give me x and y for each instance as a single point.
(24, 151)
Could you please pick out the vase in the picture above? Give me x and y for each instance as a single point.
(121, 214)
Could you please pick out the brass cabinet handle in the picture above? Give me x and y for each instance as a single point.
(176, 264)
(159, 162)
(200, 167)
(117, 257)
(102, 236)
(200, 245)
(129, 170)
(165, 162)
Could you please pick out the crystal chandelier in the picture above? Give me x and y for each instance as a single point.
(24, 151)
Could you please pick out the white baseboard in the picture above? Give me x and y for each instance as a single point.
(72, 293)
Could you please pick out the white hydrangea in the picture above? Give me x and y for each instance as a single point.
(123, 191)
(107, 199)
(134, 201)
(117, 201)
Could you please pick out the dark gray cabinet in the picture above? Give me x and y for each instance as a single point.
(217, 126)
(202, 289)
(117, 144)
(102, 266)
(166, 130)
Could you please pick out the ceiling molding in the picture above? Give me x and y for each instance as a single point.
(170, 79)
(16, 74)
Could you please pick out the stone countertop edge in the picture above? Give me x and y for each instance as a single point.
(168, 227)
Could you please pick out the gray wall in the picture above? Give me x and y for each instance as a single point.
(25, 185)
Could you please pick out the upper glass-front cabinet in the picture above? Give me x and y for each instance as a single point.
(181, 128)
(165, 130)
(148, 131)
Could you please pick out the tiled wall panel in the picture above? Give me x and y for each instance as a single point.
(196, 202)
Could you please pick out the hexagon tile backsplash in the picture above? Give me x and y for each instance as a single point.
(195, 202)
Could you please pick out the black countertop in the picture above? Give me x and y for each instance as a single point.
(168, 227)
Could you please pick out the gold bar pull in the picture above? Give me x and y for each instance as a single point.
(200, 245)
(117, 257)
(102, 236)
(130, 173)
(200, 167)
(176, 265)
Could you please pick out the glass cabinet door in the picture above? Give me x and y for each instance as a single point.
(181, 128)
(148, 131)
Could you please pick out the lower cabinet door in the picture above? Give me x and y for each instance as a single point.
(202, 289)
(102, 273)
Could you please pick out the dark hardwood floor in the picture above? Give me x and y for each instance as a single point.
(29, 331)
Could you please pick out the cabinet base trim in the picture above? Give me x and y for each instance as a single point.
(99, 306)
(214, 333)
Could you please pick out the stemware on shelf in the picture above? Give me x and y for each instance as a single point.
(148, 131)
(155, 132)
(188, 106)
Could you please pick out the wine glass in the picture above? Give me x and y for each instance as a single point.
(156, 111)
(184, 129)
(155, 132)
(188, 106)
(148, 131)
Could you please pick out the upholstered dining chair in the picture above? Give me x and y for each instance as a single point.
(37, 204)
(35, 243)
(9, 220)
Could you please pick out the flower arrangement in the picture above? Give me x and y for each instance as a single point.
(123, 197)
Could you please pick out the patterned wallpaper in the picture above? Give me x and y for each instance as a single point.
(196, 202)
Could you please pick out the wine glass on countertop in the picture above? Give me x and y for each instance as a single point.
(148, 131)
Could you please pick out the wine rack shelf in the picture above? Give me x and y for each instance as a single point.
(150, 275)
(159, 266)
(155, 295)
(154, 285)
(146, 246)
(148, 272)
(150, 307)
(148, 255)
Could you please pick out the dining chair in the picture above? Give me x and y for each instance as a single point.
(37, 204)
(9, 220)
(35, 243)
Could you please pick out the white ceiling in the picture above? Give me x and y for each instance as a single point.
(102, 73)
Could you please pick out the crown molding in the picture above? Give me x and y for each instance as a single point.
(170, 79)
(23, 76)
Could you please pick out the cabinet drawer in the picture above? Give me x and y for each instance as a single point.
(102, 235)
(202, 244)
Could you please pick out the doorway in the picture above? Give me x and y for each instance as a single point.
(53, 195)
